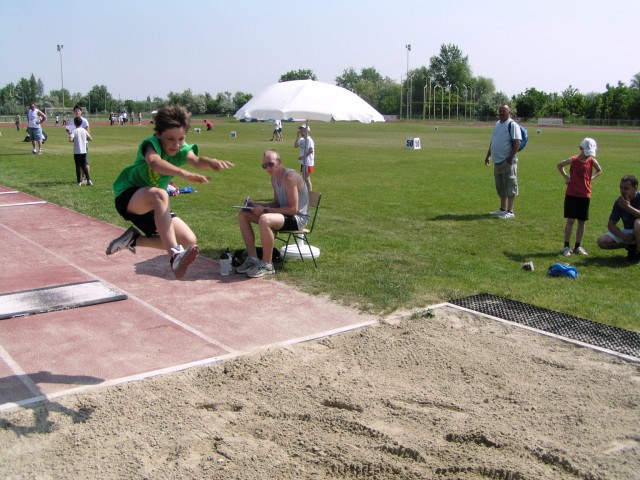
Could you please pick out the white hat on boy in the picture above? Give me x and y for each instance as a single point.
(589, 147)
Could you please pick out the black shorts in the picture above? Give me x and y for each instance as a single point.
(146, 222)
(290, 223)
(576, 207)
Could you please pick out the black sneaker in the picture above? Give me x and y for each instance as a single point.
(126, 240)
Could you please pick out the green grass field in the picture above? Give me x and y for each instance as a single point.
(398, 228)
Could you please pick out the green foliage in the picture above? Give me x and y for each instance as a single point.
(450, 67)
(398, 229)
(381, 93)
(298, 75)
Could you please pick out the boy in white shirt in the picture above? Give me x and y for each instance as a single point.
(79, 136)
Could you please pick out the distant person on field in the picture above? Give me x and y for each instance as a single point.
(141, 190)
(77, 112)
(582, 169)
(277, 130)
(80, 138)
(57, 120)
(289, 210)
(208, 124)
(307, 153)
(625, 208)
(35, 118)
(505, 142)
(18, 122)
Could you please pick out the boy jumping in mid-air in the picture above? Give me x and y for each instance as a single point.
(141, 190)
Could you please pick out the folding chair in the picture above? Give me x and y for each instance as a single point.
(314, 204)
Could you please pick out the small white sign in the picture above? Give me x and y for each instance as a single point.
(413, 144)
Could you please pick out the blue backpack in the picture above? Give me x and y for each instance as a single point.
(525, 135)
(562, 270)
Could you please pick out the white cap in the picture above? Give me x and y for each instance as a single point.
(304, 125)
(589, 146)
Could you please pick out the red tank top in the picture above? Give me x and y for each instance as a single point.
(580, 174)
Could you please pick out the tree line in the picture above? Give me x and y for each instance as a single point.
(425, 92)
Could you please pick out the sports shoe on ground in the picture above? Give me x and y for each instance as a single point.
(580, 251)
(34, 151)
(261, 270)
(79, 184)
(497, 212)
(566, 251)
(507, 214)
(126, 240)
(182, 259)
(249, 264)
(89, 183)
(40, 152)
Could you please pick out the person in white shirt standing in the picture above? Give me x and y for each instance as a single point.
(505, 142)
(307, 153)
(79, 136)
(35, 118)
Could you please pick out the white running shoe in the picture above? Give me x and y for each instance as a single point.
(507, 214)
(182, 259)
(261, 270)
(497, 212)
(580, 251)
(566, 251)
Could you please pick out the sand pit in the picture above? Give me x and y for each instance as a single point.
(454, 396)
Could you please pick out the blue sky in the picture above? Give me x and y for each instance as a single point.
(143, 47)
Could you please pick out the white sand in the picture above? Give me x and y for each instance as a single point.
(455, 396)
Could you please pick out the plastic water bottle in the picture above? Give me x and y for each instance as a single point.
(225, 262)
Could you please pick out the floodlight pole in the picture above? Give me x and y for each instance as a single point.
(435, 99)
(408, 47)
(457, 101)
(60, 47)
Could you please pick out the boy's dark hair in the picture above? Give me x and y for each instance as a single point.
(77, 107)
(77, 121)
(632, 179)
(172, 116)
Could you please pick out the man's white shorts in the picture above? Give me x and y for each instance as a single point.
(617, 239)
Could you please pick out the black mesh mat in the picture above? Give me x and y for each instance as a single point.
(574, 328)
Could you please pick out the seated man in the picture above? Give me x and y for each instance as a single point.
(289, 210)
(625, 208)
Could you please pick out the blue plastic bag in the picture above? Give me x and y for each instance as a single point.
(562, 270)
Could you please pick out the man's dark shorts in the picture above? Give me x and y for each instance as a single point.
(576, 207)
(146, 222)
(290, 223)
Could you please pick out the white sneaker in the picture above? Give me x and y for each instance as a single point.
(566, 251)
(580, 251)
(261, 270)
(507, 214)
(34, 151)
(497, 212)
(182, 259)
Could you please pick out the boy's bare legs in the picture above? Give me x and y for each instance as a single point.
(580, 231)
(171, 231)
